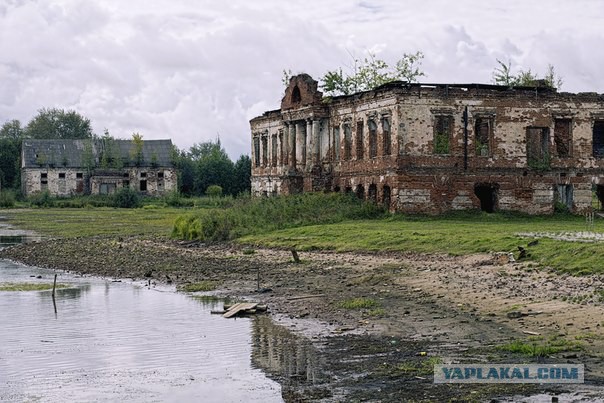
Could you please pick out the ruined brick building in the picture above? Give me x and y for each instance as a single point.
(433, 148)
(77, 167)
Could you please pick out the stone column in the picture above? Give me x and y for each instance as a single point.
(309, 143)
(292, 145)
(285, 145)
(300, 135)
(315, 142)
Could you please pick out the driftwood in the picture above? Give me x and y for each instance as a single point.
(295, 256)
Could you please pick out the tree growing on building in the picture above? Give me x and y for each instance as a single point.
(370, 73)
(503, 75)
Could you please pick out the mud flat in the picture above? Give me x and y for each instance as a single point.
(375, 323)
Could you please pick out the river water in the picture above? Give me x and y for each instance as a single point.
(118, 341)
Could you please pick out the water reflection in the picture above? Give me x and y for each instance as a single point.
(283, 354)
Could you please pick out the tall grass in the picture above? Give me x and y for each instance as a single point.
(7, 199)
(251, 216)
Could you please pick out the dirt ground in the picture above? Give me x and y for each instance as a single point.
(429, 308)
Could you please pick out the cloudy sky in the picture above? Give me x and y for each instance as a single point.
(192, 70)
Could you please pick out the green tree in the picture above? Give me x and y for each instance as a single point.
(503, 75)
(12, 130)
(242, 175)
(11, 138)
(57, 123)
(212, 167)
(370, 73)
(186, 170)
(136, 153)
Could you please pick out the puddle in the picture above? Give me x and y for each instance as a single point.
(111, 341)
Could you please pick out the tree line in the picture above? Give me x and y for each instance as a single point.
(204, 165)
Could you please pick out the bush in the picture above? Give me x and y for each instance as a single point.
(214, 191)
(42, 199)
(7, 199)
(126, 198)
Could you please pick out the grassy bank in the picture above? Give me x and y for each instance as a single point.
(329, 222)
(69, 222)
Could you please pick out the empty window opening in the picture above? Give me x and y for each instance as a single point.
(563, 137)
(256, 151)
(274, 150)
(372, 193)
(360, 140)
(372, 138)
(280, 147)
(599, 199)
(487, 194)
(537, 147)
(336, 189)
(43, 175)
(483, 130)
(61, 175)
(442, 134)
(386, 198)
(264, 151)
(143, 174)
(296, 95)
(348, 190)
(598, 139)
(126, 175)
(564, 197)
(160, 175)
(347, 141)
(143, 186)
(126, 183)
(79, 175)
(386, 138)
(360, 192)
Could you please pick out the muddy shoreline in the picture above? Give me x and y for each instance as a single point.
(429, 308)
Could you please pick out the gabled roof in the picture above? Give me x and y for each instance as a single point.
(60, 153)
(69, 153)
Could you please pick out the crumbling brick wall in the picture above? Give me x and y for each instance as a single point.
(435, 148)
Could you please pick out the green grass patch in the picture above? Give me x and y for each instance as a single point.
(454, 234)
(540, 347)
(29, 286)
(75, 222)
(200, 286)
(358, 303)
(423, 366)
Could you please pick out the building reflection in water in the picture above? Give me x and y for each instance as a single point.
(280, 353)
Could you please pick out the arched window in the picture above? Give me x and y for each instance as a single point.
(296, 96)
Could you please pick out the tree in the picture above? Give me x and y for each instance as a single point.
(371, 73)
(186, 170)
(136, 152)
(242, 173)
(502, 75)
(56, 123)
(11, 130)
(212, 167)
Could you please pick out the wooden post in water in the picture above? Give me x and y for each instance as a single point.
(54, 285)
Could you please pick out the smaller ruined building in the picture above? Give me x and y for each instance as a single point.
(432, 148)
(99, 166)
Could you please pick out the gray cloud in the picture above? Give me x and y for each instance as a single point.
(191, 70)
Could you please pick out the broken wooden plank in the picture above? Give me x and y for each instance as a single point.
(306, 296)
(243, 306)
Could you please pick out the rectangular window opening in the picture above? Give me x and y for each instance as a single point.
(563, 137)
(256, 151)
(360, 140)
(79, 175)
(386, 138)
(442, 134)
(61, 175)
(143, 186)
(483, 130)
(372, 138)
(537, 147)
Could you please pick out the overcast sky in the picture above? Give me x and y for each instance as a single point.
(192, 70)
